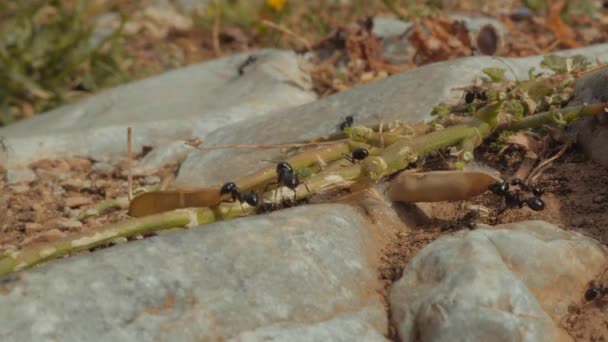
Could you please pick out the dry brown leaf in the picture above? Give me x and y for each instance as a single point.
(528, 142)
(555, 23)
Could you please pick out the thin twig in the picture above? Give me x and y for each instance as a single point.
(538, 171)
(264, 146)
(288, 32)
(216, 29)
(130, 164)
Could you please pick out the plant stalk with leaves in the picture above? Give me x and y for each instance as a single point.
(391, 152)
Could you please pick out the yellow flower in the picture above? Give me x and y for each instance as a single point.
(277, 5)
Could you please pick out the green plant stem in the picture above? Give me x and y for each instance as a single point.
(392, 159)
(568, 115)
(259, 179)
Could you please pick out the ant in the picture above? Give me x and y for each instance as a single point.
(348, 122)
(287, 177)
(250, 60)
(231, 189)
(473, 94)
(515, 198)
(595, 291)
(358, 154)
(467, 221)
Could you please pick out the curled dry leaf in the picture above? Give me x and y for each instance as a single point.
(532, 145)
(439, 186)
(156, 202)
(437, 39)
(555, 23)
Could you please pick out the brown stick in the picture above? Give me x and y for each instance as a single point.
(130, 164)
(288, 32)
(263, 146)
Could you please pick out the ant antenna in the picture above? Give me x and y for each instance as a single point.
(508, 66)
(130, 163)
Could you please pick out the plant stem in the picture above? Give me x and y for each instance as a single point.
(392, 159)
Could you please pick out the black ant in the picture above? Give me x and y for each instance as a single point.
(358, 154)
(594, 292)
(515, 199)
(251, 198)
(467, 221)
(473, 94)
(287, 177)
(348, 122)
(250, 60)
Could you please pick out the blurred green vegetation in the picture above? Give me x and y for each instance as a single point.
(48, 56)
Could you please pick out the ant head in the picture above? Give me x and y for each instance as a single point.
(251, 198)
(469, 96)
(360, 153)
(516, 181)
(228, 188)
(535, 203)
(284, 167)
(500, 188)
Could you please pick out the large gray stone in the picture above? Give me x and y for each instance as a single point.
(408, 97)
(592, 132)
(512, 282)
(292, 275)
(178, 105)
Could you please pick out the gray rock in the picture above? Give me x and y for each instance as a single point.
(592, 133)
(20, 175)
(348, 327)
(512, 282)
(407, 97)
(102, 168)
(389, 27)
(178, 105)
(293, 274)
(189, 6)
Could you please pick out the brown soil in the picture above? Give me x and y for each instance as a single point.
(576, 198)
(65, 190)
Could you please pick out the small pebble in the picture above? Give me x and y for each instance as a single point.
(582, 221)
(599, 199)
(77, 201)
(48, 236)
(102, 168)
(79, 164)
(51, 164)
(69, 224)
(577, 221)
(149, 180)
(20, 176)
(20, 189)
(75, 184)
(33, 227)
(119, 240)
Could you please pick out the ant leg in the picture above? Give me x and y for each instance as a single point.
(230, 200)
(306, 186)
(347, 157)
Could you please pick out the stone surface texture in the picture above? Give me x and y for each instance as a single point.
(178, 105)
(299, 274)
(407, 97)
(592, 133)
(511, 282)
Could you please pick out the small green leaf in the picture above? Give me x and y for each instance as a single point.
(495, 74)
(563, 65)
